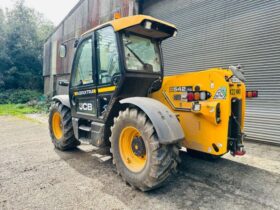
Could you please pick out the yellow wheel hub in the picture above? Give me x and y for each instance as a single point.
(57, 125)
(132, 149)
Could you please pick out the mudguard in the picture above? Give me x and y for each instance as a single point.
(64, 99)
(166, 124)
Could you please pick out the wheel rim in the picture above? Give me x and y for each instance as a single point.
(57, 125)
(132, 149)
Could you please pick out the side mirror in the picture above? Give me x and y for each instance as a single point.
(62, 51)
(63, 83)
(116, 79)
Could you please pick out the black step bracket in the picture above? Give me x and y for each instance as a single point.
(75, 123)
(97, 134)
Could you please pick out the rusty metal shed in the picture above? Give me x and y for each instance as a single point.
(84, 16)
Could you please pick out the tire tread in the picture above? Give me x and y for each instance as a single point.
(68, 140)
(163, 157)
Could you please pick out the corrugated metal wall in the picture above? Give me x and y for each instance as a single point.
(219, 33)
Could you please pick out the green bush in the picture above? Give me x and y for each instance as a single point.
(42, 105)
(19, 96)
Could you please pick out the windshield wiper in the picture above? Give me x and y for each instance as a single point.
(135, 55)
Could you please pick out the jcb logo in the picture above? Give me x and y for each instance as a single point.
(85, 106)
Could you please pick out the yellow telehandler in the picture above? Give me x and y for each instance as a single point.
(119, 98)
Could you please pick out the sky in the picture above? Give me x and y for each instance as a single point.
(54, 10)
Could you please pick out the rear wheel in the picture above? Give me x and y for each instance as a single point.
(140, 159)
(60, 126)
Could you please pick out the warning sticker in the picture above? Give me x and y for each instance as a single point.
(221, 93)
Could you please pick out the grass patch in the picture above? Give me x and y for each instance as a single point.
(17, 109)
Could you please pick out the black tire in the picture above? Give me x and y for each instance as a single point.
(202, 155)
(162, 159)
(68, 140)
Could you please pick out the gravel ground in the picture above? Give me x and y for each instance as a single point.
(33, 175)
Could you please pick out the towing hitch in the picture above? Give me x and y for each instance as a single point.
(236, 147)
(240, 152)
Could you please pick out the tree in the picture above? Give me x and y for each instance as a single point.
(5, 62)
(24, 32)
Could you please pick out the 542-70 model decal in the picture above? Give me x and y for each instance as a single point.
(180, 89)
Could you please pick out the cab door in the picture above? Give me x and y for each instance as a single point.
(82, 92)
(108, 67)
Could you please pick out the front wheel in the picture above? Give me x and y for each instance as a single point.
(140, 159)
(61, 128)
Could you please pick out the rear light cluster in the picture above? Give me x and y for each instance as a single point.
(252, 93)
(198, 96)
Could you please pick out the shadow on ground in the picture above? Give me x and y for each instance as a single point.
(199, 183)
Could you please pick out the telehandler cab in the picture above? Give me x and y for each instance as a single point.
(119, 98)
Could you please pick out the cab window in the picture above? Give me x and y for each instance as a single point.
(107, 55)
(141, 54)
(83, 70)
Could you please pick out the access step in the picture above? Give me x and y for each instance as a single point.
(85, 139)
(85, 128)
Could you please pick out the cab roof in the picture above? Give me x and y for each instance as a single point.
(126, 22)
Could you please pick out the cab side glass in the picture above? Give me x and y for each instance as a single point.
(107, 55)
(83, 71)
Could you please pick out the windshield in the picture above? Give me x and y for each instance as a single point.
(141, 54)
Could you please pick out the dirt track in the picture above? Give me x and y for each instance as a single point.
(33, 175)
